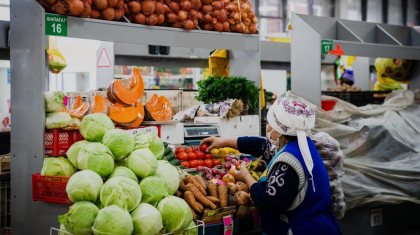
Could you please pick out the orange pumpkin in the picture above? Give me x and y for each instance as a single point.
(130, 94)
(140, 117)
(77, 102)
(228, 178)
(81, 111)
(158, 109)
(123, 116)
(100, 105)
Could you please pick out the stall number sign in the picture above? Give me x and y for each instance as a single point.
(376, 217)
(326, 46)
(56, 25)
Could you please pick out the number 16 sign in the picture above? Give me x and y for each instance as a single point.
(56, 25)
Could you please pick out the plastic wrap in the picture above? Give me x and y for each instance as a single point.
(329, 150)
(337, 193)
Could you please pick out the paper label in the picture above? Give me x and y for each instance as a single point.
(326, 46)
(376, 217)
(56, 25)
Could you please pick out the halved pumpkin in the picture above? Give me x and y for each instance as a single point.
(100, 105)
(121, 115)
(158, 109)
(110, 95)
(80, 111)
(65, 110)
(130, 94)
(140, 117)
(77, 102)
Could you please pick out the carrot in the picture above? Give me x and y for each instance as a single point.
(213, 199)
(194, 214)
(200, 197)
(213, 190)
(200, 206)
(192, 180)
(179, 194)
(201, 181)
(222, 190)
(189, 198)
(182, 185)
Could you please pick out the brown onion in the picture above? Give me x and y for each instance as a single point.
(95, 14)
(174, 7)
(251, 14)
(167, 2)
(134, 7)
(206, 2)
(120, 4)
(119, 13)
(185, 5)
(199, 15)
(160, 19)
(226, 2)
(178, 24)
(112, 3)
(207, 18)
(126, 10)
(189, 24)
(222, 16)
(218, 27)
(206, 26)
(166, 8)
(207, 9)
(171, 17)
(76, 8)
(216, 13)
(195, 23)
(108, 13)
(237, 16)
(151, 19)
(253, 28)
(231, 21)
(182, 15)
(217, 5)
(214, 20)
(226, 26)
(196, 4)
(60, 9)
(99, 4)
(239, 28)
(245, 7)
(139, 18)
(159, 9)
(148, 7)
(232, 7)
(192, 14)
(161, 1)
(247, 22)
(255, 20)
(87, 10)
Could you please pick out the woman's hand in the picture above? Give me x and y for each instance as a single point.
(243, 175)
(216, 143)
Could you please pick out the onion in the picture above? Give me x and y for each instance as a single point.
(226, 2)
(185, 5)
(231, 21)
(206, 26)
(182, 15)
(119, 13)
(166, 8)
(171, 17)
(151, 19)
(244, 16)
(95, 14)
(217, 5)
(98, 4)
(168, 2)
(251, 14)
(247, 22)
(222, 17)
(207, 9)
(76, 8)
(207, 18)
(226, 26)
(237, 17)
(245, 7)
(159, 9)
(120, 4)
(192, 14)
(218, 27)
(238, 28)
(178, 25)
(87, 10)
(126, 10)
(199, 15)
(161, 1)
(108, 13)
(195, 23)
(214, 20)
(253, 28)
(196, 4)
(112, 3)
(216, 13)
(139, 18)
(134, 7)
(232, 7)
(174, 7)
(148, 7)
(160, 19)
(254, 20)
(59, 8)
(206, 2)
(189, 24)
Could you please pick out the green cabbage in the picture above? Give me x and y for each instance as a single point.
(121, 191)
(176, 214)
(142, 162)
(192, 229)
(57, 166)
(74, 151)
(123, 171)
(169, 174)
(146, 220)
(84, 186)
(80, 217)
(151, 141)
(121, 163)
(54, 101)
(63, 230)
(113, 220)
(154, 189)
(120, 142)
(96, 157)
(57, 120)
(94, 126)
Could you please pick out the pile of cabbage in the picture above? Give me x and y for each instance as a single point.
(118, 183)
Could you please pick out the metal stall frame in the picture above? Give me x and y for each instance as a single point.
(4, 40)
(29, 71)
(355, 38)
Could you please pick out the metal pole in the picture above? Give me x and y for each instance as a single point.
(364, 10)
(404, 6)
(385, 11)
(332, 8)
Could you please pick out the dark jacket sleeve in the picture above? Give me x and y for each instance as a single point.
(275, 195)
(256, 146)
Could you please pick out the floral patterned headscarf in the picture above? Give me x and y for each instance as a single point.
(293, 118)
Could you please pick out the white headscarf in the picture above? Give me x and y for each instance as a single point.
(291, 117)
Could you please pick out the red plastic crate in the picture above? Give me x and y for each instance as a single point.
(50, 189)
(57, 141)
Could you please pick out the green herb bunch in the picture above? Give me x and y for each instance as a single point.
(214, 89)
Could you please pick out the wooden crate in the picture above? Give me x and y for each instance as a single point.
(4, 163)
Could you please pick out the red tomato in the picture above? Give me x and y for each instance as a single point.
(208, 156)
(177, 156)
(186, 164)
(194, 149)
(196, 152)
(200, 155)
(216, 162)
(203, 147)
(188, 150)
(192, 156)
(193, 163)
(179, 150)
(208, 163)
(237, 164)
(200, 162)
(183, 156)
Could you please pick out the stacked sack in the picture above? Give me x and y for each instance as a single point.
(81, 8)
(107, 9)
(332, 156)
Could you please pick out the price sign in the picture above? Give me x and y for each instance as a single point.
(56, 25)
(376, 217)
(326, 46)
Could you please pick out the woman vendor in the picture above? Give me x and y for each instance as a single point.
(293, 196)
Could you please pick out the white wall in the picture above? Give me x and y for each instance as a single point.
(275, 81)
(4, 86)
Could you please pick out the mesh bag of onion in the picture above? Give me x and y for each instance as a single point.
(80, 8)
(214, 16)
(146, 12)
(241, 16)
(107, 9)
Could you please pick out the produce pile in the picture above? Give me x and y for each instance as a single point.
(136, 197)
(193, 157)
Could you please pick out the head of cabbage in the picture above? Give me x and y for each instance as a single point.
(84, 186)
(176, 214)
(113, 220)
(169, 174)
(146, 220)
(125, 172)
(121, 191)
(151, 141)
(142, 162)
(121, 163)
(153, 190)
(94, 126)
(74, 151)
(120, 142)
(57, 120)
(54, 101)
(96, 157)
(80, 217)
(57, 166)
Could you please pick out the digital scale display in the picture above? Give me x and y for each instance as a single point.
(201, 131)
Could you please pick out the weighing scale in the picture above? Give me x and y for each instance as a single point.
(194, 133)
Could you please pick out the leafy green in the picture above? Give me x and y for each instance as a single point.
(169, 174)
(74, 150)
(123, 171)
(153, 189)
(151, 141)
(176, 214)
(57, 166)
(121, 191)
(113, 220)
(142, 162)
(84, 186)
(120, 142)
(146, 220)
(57, 120)
(54, 101)
(94, 126)
(80, 217)
(96, 157)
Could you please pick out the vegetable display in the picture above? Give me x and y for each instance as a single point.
(120, 142)
(80, 8)
(158, 109)
(57, 167)
(150, 141)
(54, 101)
(121, 191)
(113, 220)
(142, 162)
(80, 218)
(96, 157)
(107, 9)
(84, 186)
(146, 220)
(176, 215)
(94, 126)
(57, 120)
